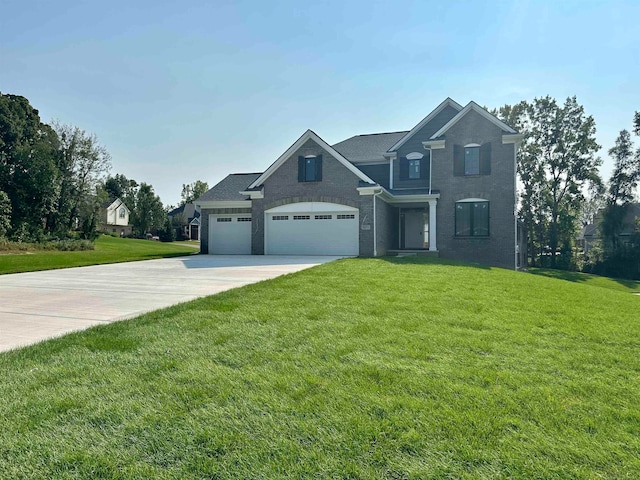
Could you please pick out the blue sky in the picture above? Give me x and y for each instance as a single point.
(185, 91)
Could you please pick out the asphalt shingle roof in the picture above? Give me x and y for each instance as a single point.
(368, 148)
(228, 189)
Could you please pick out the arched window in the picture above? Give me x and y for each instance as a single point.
(122, 212)
(415, 165)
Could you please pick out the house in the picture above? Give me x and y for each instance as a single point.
(186, 218)
(590, 234)
(114, 217)
(446, 187)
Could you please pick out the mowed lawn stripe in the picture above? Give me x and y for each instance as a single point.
(107, 250)
(362, 368)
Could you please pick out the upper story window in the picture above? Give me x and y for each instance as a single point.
(472, 218)
(122, 212)
(310, 168)
(413, 166)
(414, 169)
(472, 159)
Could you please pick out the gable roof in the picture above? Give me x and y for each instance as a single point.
(189, 210)
(448, 102)
(115, 202)
(368, 148)
(472, 106)
(229, 188)
(309, 135)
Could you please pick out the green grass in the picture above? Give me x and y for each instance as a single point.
(107, 250)
(620, 284)
(377, 368)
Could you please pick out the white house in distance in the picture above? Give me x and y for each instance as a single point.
(114, 217)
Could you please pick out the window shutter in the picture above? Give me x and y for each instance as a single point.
(485, 159)
(424, 168)
(404, 168)
(319, 168)
(301, 169)
(458, 160)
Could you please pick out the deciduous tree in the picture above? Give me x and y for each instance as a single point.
(556, 163)
(193, 191)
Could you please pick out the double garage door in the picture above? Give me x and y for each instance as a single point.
(310, 228)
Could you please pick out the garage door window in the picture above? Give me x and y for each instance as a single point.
(280, 217)
(223, 219)
(323, 217)
(301, 217)
(346, 217)
(244, 219)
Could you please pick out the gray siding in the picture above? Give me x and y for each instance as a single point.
(498, 188)
(377, 173)
(414, 144)
(338, 185)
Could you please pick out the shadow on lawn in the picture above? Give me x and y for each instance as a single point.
(578, 277)
(428, 260)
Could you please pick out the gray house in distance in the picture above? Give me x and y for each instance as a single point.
(447, 186)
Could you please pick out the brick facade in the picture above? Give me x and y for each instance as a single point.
(498, 188)
(338, 185)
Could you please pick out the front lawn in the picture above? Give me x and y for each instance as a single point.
(621, 284)
(361, 368)
(107, 250)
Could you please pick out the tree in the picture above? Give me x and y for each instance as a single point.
(5, 214)
(622, 185)
(83, 162)
(148, 213)
(28, 172)
(556, 163)
(123, 188)
(193, 191)
(636, 123)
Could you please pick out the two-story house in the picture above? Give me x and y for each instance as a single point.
(448, 185)
(114, 217)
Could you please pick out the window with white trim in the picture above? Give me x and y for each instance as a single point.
(302, 217)
(244, 219)
(122, 212)
(223, 219)
(346, 217)
(280, 217)
(323, 217)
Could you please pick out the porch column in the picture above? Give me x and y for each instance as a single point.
(432, 226)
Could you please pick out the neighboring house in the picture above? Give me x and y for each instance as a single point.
(114, 217)
(446, 187)
(186, 218)
(590, 234)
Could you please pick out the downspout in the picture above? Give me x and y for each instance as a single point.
(430, 170)
(375, 237)
(515, 204)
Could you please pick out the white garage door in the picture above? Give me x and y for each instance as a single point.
(312, 228)
(230, 234)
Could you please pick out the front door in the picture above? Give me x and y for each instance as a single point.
(415, 234)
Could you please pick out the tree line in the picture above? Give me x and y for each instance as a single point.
(54, 181)
(561, 189)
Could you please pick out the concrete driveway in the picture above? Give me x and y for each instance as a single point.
(38, 305)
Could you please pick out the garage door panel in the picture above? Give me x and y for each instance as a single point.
(308, 233)
(230, 234)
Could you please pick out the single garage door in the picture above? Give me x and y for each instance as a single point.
(312, 228)
(230, 234)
